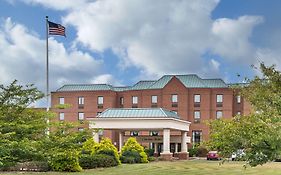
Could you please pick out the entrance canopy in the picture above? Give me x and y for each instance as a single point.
(139, 119)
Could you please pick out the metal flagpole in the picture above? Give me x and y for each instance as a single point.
(47, 63)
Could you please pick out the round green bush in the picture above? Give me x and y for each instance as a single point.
(87, 161)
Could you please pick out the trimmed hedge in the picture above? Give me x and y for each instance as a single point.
(129, 149)
(130, 157)
(87, 161)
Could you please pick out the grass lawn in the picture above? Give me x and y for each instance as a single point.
(194, 167)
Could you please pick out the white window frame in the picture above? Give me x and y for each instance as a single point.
(238, 98)
(61, 116)
(121, 100)
(100, 100)
(154, 99)
(61, 100)
(134, 100)
(197, 115)
(197, 98)
(219, 98)
(81, 100)
(174, 98)
(219, 114)
(81, 116)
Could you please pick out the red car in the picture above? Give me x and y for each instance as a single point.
(213, 155)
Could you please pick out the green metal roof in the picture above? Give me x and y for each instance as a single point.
(189, 81)
(138, 113)
(142, 85)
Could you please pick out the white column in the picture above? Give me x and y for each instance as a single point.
(121, 140)
(156, 148)
(183, 141)
(166, 141)
(176, 147)
(96, 137)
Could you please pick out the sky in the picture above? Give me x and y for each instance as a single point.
(121, 42)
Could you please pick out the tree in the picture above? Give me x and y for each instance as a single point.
(258, 134)
(20, 127)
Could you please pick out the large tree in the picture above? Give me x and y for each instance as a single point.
(258, 134)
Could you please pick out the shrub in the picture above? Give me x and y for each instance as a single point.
(106, 147)
(133, 146)
(130, 157)
(193, 152)
(87, 161)
(202, 151)
(149, 152)
(65, 161)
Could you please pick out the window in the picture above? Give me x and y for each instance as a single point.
(219, 114)
(174, 98)
(134, 133)
(61, 100)
(61, 116)
(121, 101)
(80, 129)
(197, 98)
(154, 133)
(219, 98)
(196, 137)
(80, 115)
(238, 98)
(197, 116)
(154, 99)
(135, 99)
(100, 100)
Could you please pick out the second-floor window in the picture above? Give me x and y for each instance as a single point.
(154, 99)
(219, 114)
(61, 100)
(121, 101)
(61, 116)
(135, 100)
(238, 98)
(197, 116)
(80, 115)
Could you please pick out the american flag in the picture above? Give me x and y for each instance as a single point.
(56, 29)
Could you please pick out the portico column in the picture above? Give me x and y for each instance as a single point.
(166, 141)
(155, 148)
(121, 140)
(183, 141)
(166, 154)
(96, 137)
(176, 147)
(183, 155)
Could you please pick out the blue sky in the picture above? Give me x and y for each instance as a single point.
(123, 41)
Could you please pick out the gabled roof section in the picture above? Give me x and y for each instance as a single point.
(161, 83)
(138, 113)
(85, 87)
(189, 81)
(142, 85)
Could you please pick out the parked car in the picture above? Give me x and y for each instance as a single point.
(238, 155)
(213, 155)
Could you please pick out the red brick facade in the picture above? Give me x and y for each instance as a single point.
(185, 106)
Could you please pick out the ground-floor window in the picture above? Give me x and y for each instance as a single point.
(196, 137)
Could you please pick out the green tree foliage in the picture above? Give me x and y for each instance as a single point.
(20, 127)
(133, 146)
(258, 134)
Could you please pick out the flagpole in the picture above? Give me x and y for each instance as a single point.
(47, 63)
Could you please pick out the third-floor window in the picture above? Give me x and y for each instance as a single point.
(154, 99)
(135, 100)
(61, 100)
(174, 100)
(197, 98)
(100, 100)
(80, 100)
(219, 100)
(121, 102)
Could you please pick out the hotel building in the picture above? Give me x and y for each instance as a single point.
(190, 97)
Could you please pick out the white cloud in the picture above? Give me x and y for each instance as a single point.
(231, 38)
(22, 57)
(105, 79)
(160, 36)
